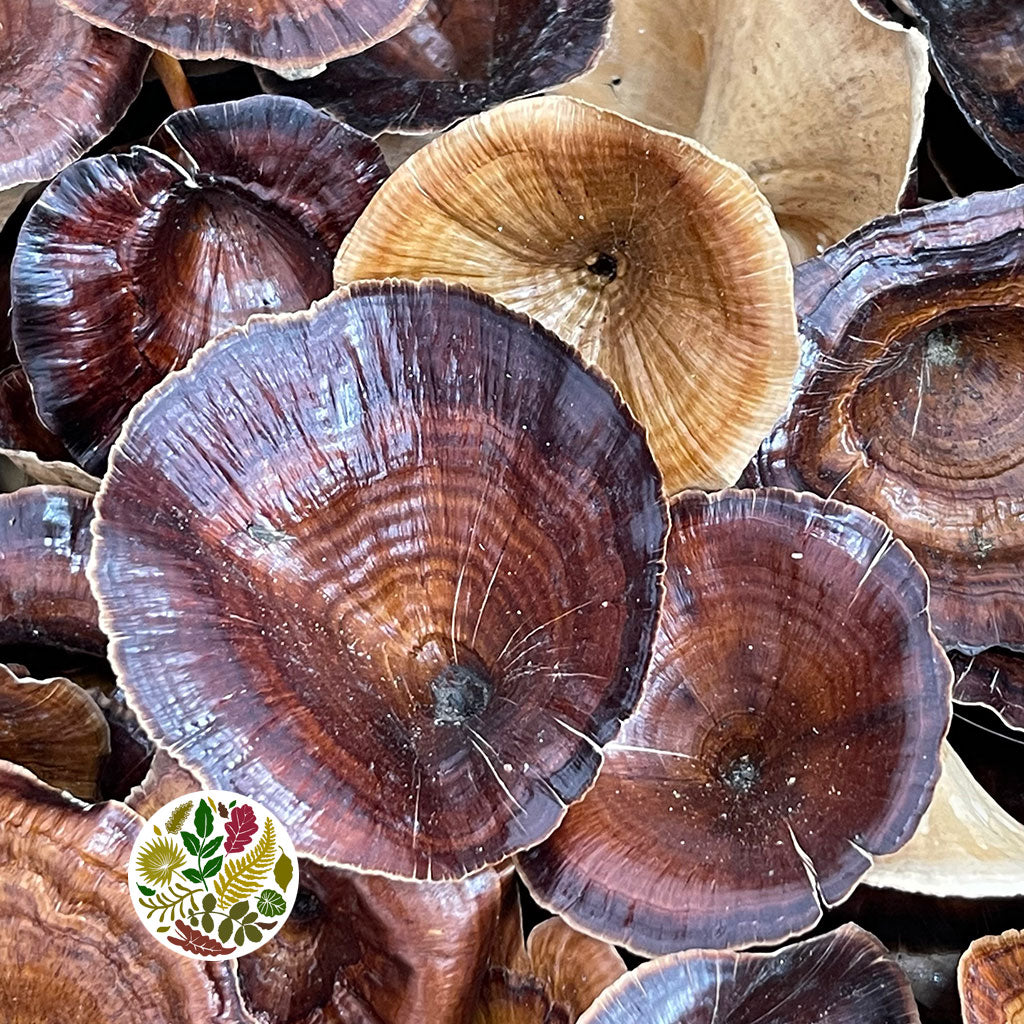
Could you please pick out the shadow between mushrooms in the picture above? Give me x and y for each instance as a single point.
(456, 58)
(910, 398)
(131, 262)
(412, 551)
(775, 86)
(63, 86)
(991, 978)
(763, 769)
(660, 263)
(72, 947)
(844, 977)
(993, 678)
(287, 35)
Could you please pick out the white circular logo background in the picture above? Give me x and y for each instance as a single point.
(213, 875)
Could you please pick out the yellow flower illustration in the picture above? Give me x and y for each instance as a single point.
(159, 859)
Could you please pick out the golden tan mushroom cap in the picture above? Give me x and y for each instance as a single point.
(991, 980)
(821, 104)
(659, 262)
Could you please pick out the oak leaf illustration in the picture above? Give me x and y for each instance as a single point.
(194, 941)
(240, 829)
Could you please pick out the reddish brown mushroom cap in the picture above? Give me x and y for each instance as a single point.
(411, 548)
(844, 977)
(977, 46)
(991, 980)
(55, 730)
(63, 86)
(280, 34)
(130, 262)
(763, 768)
(994, 678)
(72, 947)
(458, 57)
(910, 400)
(45, 598)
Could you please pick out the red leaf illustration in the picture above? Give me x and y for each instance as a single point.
(240, 828)
(192, 940)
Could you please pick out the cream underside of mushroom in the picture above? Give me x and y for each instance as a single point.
(38, 471)
(9, 200)
(966, 844)
(819, 103)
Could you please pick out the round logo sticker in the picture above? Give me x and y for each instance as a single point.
(213, 875)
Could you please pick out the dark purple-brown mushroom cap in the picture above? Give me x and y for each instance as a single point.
(843, 977)
(72, 947)
(456, 58)
(393, 564)
(281, 34)
(790, 730)
(911, 398)
(977, 46)
(45, 600)
(63, 86)
(994, 678)
(130, 262)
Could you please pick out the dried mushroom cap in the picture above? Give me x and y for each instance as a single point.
(45, 598)
(978, 48)
(660, 263)
(235, 208)
(966, 845)
(63, 86)
(416, 543)
(766, 768)
(991, 978)
(280, 34)
(994, 678)
(843, 977)
(55, 730)
(72, 947)
(550, 979)
(909, 403)
(365, 948)
(775, 86)
(456, 58)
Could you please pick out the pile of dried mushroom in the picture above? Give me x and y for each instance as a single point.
(565, 458)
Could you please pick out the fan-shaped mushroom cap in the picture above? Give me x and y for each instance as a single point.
(978, 48)
(763, 769)
(130, 262)
(456, 58)
(660, 263)
(551, 979)
(412, 549)
(44, 593)
(72, 947)
(994, 678)
(966, 844)
(843, 977)
(63, 86)
(821, 104)
(361, 947)
(55, 730)
(991, 978)
(910, 400)
(280, 34)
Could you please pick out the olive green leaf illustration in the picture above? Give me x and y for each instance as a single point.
(177, 817)
(172, 900)
(271, 903)
(243, 876)
(159, 859)
(283, 872)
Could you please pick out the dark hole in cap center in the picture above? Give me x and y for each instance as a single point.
(307, 905)
(460, 693)
(741, 774)
(605, 266)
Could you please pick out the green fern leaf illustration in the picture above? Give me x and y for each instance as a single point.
(178, 817)
(171, 901)
(242, 876)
